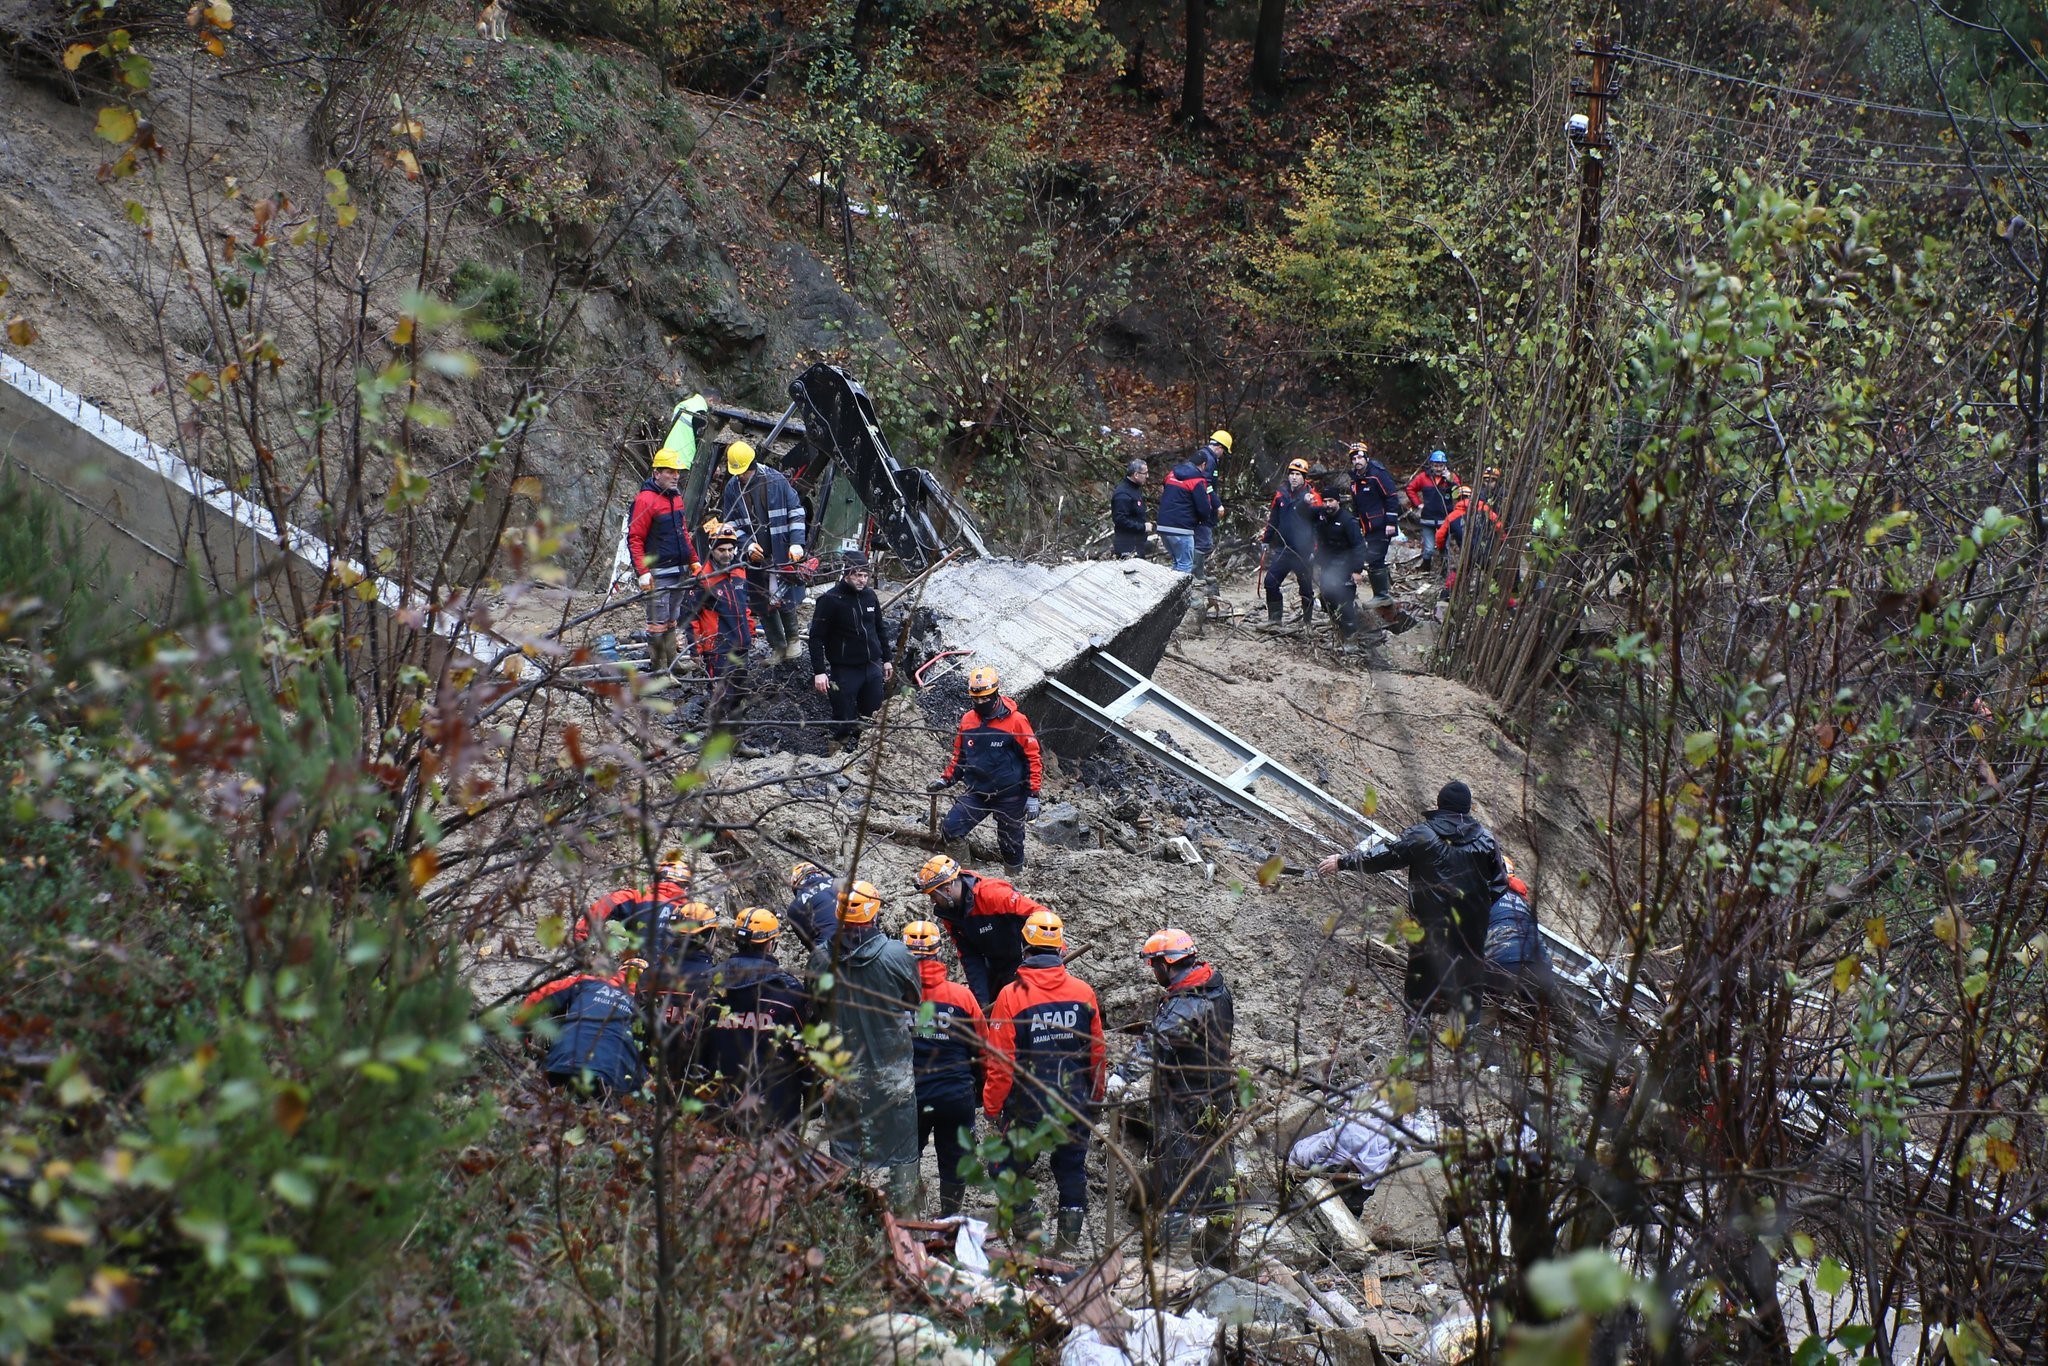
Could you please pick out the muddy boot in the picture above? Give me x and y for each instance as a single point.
(1273, 615)
(1066, 1247)
(771, 628)
(661, 652)
(1011, 871)
(904, 1195)
(952, 1195)
(1308, 616)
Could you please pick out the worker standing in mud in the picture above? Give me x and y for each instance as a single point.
(658, 537)
(1430, 494)
(995, 757)
(1130, 519)
(754, 1047)
(867, 984)
(1046, 1063)
(986, 918)
(1210, 455)
(1377, 504)
(1455, 874)
(851, 647)
(1290, 540)
(1340, 558)
(764, 507)
(950, 1049)
(722, 625)
(1186, 1052)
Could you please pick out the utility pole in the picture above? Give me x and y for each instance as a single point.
(1593, 145)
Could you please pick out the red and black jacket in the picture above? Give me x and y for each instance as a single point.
(949, 1050)
(1374, 500)
(1044, 1045)
(596, 1015)
(1452, 533)
(722, 628)
(632, 907)
(657, 532)
(994, 758)
(989, 922)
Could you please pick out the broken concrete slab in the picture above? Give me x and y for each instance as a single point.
(1406, 1208)
(1033, 622)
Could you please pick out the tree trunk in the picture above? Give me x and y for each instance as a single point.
(1266, 47)
(1198, 61)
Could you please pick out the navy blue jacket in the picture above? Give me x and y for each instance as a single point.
(1186, 500)
(949, 1049)
(814, 910)
(1512, 939)
(760, 1009)
(1290, 522)
(683, 987)
(1374, 499)
(596, 1015)
(1127, 518)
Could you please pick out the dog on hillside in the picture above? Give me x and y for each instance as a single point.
(490, 21)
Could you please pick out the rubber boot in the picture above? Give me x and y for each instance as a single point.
(903, 1190)
(793, 650)
(1273, 614)
(1067, 1245)
(952, 1195)
(661, 652)
(771, 627)
(1011, 871)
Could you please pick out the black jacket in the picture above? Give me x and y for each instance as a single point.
(1187, 1048)
(1127, 515)
(1340, 545)
(683, 985)
(848, 629)
(1374, 500)
(752, 1041)
(814, 910)
(1454, 875)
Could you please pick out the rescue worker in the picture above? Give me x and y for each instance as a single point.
(872, 1000)
(1470, 520)
(1290, 539)
(1517, 963)
(763, 507)
(1430, 494)
(1210, 456)
(754, 1046)
(1377, 504)
(949, 1048)
(632, 907)
(1186, 1051)
(682, 981)
(722, 626)
(1455, 874)
(985, 916)
(1340, 560)
(595, 1051)
(1046, 1061)
(995, 757)
(1187, 505)
(813, 904)
(1129, 515)
(664, 556)
(851, 647)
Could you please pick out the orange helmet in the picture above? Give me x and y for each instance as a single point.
(800, 870)
(983, 682)
(756, 925)
(1168, 945)
(724, 532)
(938, 870)
(676, 866)
(693, 917)
(860, 904)
(1045, 930)
(1297, 467)
(921, 937)
(1462, 491)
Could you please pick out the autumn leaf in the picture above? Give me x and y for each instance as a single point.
(116, 124)
(410, 162)
(424, 865)
(288, 1111)
(1270, 870)
(1846, 972)
(21, 332)
(527, 486)
(77, 53)
(1875, 934)
(401, 335)
(1948, 928)
(1370, 802)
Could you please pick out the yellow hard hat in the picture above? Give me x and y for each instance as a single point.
(756, 925)
(693, 917)
(938, 870)
(921, 937)
(860, 904)
(668, 458)
(1297, 467)
(1045, 930)
(1222, 438)
(739, 458)
(983, 682)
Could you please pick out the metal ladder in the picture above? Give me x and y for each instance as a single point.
(1598, 981)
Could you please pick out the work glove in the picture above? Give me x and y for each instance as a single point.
(1150, 528)
(796, 552)
(646, 582)
(938, 785)
(754, 555)
(1114, 1092)
(1031, 808)
(696, 569)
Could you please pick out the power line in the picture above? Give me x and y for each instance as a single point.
(1848, 101)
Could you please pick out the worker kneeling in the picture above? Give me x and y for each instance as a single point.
(1046, 1061)
(867, 985)
(949, 1049)
(1186, 1051)
(595, 1052)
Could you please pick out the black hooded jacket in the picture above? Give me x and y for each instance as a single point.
(1454, 874)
